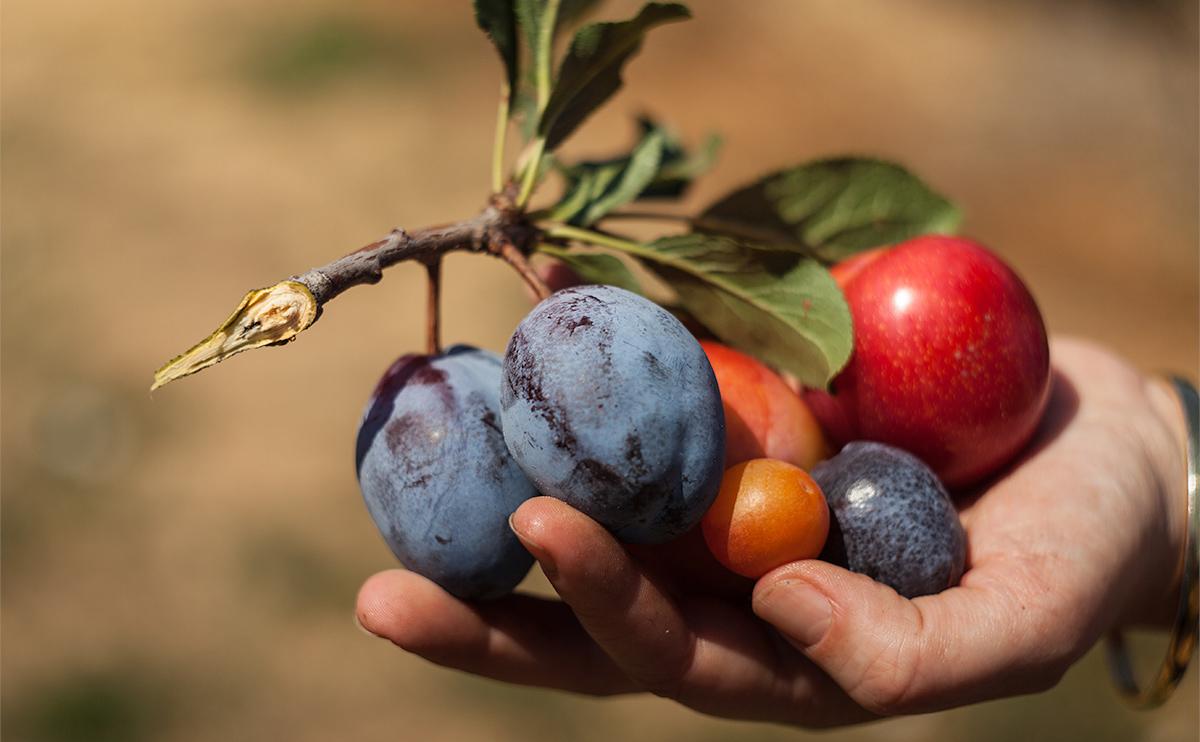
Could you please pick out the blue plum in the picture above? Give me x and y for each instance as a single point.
(891, 519)
(436, 475)
(610, 404)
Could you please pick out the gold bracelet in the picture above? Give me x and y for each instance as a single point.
(1182, 642)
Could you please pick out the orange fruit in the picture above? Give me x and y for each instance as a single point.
(767, 513)
(764, 417)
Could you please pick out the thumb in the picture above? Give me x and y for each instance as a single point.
(894, 655)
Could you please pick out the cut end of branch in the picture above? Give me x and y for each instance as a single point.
(265, 317)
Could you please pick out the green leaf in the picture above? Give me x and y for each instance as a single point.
(497, 18)
(596, 188)
(528, 17)
(595, 267)
(833, 208)
(658, 167)
(781, 307)
(574, 10)
(531, 17)
(524, 110)
(531, 12)
(679, 167)
(591, 71)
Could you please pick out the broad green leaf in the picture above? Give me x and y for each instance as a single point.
(596, 188)
(497, 18)
(591, 71)
(781, 307)
(595, 267)
(833, 208)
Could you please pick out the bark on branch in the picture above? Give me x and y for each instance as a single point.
(366, 264)
(276, 314)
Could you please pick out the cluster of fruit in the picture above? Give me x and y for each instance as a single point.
(606, 401)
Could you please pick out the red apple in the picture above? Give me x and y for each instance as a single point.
(764, 418)
(950, 357)
(847, 269)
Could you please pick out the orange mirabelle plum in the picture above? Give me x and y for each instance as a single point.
(767, 513)
(764, 417)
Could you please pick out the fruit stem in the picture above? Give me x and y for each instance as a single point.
(433, 314)
(514, 257)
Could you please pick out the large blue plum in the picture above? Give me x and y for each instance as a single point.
(609, 404)
(891, 519)
(436, 475)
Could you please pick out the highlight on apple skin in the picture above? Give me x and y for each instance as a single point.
(951, 360)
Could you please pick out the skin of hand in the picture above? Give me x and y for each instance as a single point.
(1082, 534)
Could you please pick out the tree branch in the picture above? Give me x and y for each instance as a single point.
(277, 314)
(366, 264)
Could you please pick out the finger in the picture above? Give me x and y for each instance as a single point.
(707, 653)
(687, 564)
(627, 614)
(975, 642)
(517, 639)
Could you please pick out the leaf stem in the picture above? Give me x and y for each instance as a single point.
(629, 247)
(709, 224)
(543, 56)
(531, 172)
(498, 142)
(649, 216)
(599, 239)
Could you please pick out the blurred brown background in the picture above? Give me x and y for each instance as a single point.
(184, 567)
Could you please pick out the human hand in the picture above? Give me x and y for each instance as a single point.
(1080, 535)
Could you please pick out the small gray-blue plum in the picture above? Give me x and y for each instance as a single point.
(436, 476)
(609, 404)
(891, 519)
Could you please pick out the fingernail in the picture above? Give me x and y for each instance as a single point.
(358, 623)
(533, 547)
(797, 609)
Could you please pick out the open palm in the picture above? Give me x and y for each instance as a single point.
(1078, 536)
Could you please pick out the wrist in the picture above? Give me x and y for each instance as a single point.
(1181, 642)
(1171, 468)
(1154, 599)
